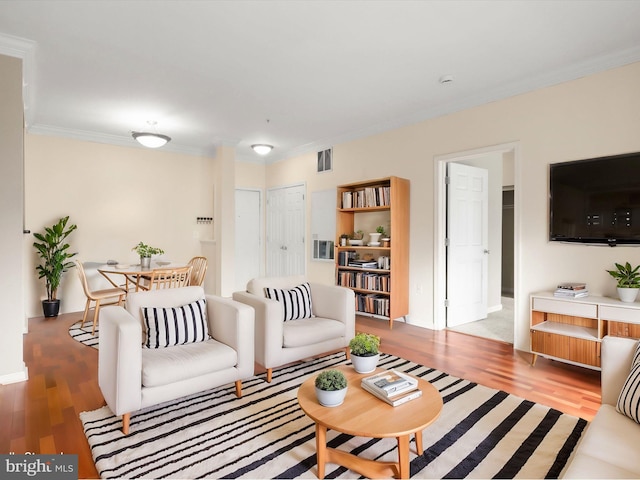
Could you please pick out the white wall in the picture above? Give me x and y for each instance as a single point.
(12, 319)
(123, 191)
(118, 197)
(593, 116)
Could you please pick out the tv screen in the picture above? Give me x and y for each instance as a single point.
(596, 200)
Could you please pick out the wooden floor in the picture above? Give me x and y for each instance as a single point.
(41, 414)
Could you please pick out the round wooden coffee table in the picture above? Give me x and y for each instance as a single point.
(364, 415)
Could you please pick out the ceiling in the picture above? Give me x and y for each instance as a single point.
(300, 75)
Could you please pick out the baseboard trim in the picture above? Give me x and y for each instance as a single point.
(15, 377)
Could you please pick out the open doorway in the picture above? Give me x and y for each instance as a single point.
(498, 323)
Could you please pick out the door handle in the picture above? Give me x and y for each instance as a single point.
(487, 251)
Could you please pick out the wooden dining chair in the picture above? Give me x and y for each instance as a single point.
(198, 271)
(96, 296)
(162, 278)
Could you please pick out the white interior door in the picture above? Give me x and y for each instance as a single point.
(285, 231)
(467, 243)
(249, 246)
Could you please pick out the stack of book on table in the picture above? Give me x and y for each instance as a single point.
(571, 290)
(392, 386)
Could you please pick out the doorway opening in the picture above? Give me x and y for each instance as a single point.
(499, 321)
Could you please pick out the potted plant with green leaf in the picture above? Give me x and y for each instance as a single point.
(145, 252)
(628, 281)
(374, 238)
(54, 255)
(331, 388)
(365, 352)
(356, 238)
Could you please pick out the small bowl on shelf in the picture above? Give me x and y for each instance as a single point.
(374, 244)
(354, 242)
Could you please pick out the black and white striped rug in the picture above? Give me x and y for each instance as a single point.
(84, 335)
(481, 433)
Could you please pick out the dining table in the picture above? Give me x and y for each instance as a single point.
(133, 273)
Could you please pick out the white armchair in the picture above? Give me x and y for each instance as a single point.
(278, 342)
(132, 377)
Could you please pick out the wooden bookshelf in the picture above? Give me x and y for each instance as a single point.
(380, 292)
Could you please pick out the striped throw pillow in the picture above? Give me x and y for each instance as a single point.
(296, 302)
(171, 326)
(629, 399)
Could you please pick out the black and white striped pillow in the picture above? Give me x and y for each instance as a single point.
(171, 326)
(296, 302)
(629, 399)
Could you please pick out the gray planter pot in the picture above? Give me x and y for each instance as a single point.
(331, 398)
(365, 364)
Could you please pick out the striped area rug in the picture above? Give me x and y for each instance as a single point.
(481, 433)
(83, 335)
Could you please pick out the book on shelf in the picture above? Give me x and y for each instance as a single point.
(363, 263)
(390, 384)
(561, 292)
(396, 400)
(572, 286)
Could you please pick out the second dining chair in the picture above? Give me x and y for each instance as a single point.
(198, 271)
(96, 296)
(162, 278)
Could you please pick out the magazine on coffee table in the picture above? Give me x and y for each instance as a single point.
(396, 399)
(390, 383)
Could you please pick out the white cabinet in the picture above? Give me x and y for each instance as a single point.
(570, 330)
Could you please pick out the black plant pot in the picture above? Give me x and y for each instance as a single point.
(51, 308)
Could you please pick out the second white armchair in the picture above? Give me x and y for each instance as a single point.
(291, 327)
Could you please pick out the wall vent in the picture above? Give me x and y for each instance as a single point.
(325, 160)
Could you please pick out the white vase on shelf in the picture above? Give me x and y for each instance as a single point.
(374, 238)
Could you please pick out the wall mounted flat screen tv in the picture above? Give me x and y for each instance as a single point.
(596, 200)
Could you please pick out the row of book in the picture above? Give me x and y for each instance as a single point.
(367, 197)
(571, 290)
(392, 386)
(346, 256)
(372, 303)
(364, 281)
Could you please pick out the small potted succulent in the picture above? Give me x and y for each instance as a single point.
(331, 388)
(374, 238)
(365, 352)
(145, 252)
(628, 281)
(343, 239)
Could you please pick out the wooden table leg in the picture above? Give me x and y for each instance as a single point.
(321, 448)
(403, 456)
(419, 448)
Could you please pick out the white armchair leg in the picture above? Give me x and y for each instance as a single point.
(126, 419)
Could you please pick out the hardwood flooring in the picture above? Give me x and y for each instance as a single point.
(41, 414)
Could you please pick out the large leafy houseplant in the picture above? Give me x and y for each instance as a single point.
(54, 256)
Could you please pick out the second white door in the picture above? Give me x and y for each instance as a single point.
(467, 239)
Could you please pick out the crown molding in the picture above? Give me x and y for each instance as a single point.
(518, 87)
(26, 50)
(119, 140)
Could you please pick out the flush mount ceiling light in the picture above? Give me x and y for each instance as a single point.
(151, 139)
(262, 148)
